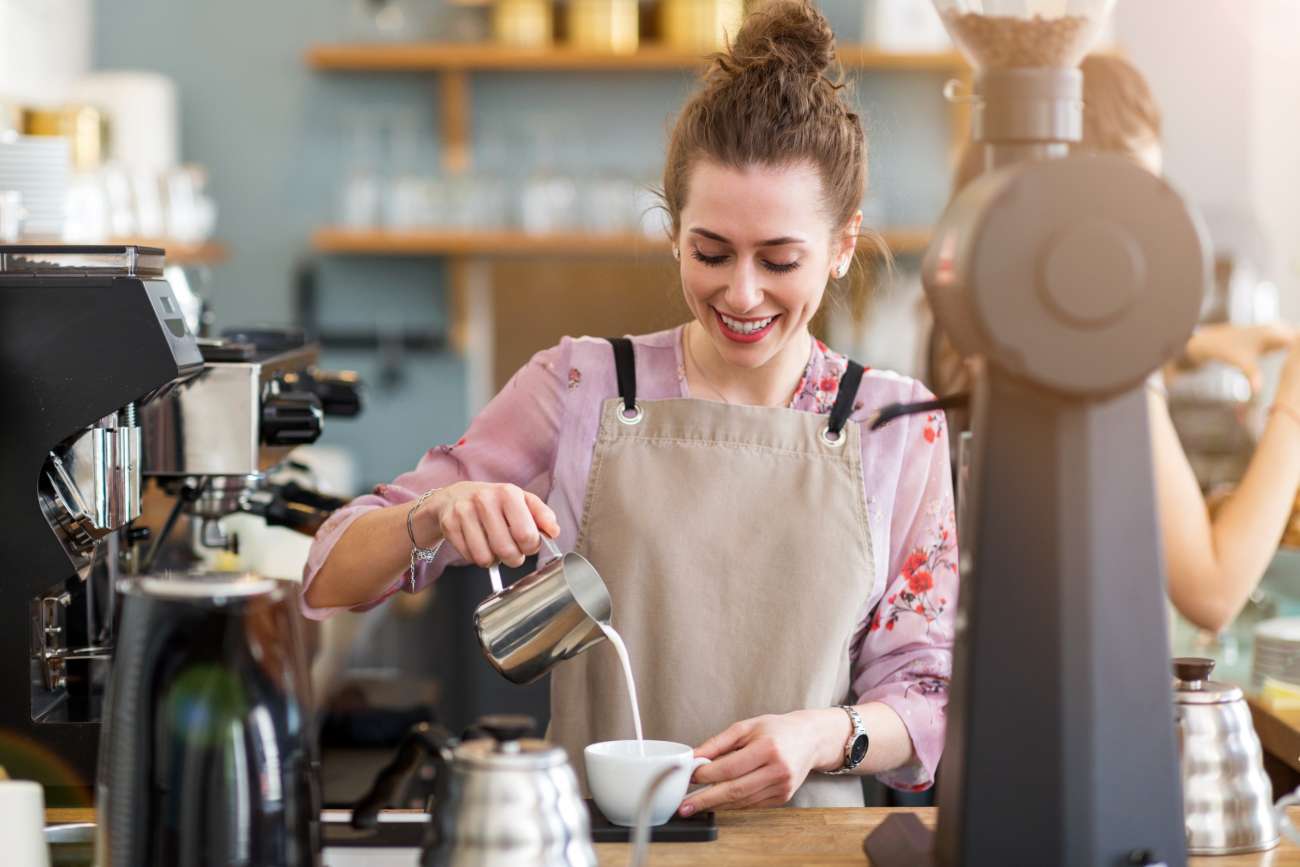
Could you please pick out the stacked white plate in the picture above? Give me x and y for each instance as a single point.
(38, 168)
(1277, 651)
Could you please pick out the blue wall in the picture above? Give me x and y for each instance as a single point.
(275, 139)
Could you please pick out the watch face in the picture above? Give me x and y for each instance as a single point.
(859, 751)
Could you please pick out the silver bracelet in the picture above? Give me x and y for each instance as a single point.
(418, 554)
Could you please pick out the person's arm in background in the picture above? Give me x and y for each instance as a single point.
(1214, 564)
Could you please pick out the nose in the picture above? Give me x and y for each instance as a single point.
(744, 292)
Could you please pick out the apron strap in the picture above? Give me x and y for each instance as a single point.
(625, 365)
(847, 396)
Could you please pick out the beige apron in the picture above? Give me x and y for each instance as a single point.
(735, 544)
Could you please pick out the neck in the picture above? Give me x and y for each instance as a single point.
(772, 384)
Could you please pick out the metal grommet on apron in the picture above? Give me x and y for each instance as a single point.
(625, 366)
(833, 433)
(735, 546)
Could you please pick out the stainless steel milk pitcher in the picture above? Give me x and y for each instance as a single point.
(544, 618)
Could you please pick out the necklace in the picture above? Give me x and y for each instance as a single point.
(690, 353)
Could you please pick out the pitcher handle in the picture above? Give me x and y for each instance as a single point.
(1283, 820)
(494, 571)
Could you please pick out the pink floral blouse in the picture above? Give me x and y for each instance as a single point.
(902, 652)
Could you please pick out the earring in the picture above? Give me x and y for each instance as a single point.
(677, 254)
(842, 270)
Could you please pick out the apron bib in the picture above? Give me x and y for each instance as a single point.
(735, 545)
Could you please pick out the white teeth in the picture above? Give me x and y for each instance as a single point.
(740, 327)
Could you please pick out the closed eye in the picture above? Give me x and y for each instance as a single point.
(715, 261)
(711, 261)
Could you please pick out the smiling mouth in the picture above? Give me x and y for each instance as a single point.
(745, 330)
(746, 326)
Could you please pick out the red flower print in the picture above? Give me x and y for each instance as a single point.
(933, 426)
(575, 378)
(918, 574)
(915, 561)
(829, 383)
(920, 582)
(820, 345)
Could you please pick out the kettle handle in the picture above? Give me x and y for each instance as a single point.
(494, 571)
(1283, 820)
(421, 742)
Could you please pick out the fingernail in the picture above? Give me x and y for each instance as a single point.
(687, 809)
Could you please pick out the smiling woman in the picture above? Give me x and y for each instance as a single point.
(785, 581)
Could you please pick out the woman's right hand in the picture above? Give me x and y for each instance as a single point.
(1240, 346)
(489, 522)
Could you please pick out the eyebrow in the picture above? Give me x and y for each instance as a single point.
(771, 242)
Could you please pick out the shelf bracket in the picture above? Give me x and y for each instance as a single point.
(454, 117)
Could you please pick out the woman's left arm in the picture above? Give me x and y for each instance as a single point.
(902, 658)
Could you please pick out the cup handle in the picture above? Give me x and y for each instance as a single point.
(494, 571)
(1283, 820)
(696, 764)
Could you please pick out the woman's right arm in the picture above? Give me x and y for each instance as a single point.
(486, 501)
(487, 522)
(1214, 564)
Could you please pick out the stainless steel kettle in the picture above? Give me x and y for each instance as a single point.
(501, 799)
(1227, 797)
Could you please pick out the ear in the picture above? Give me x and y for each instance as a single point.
(849, 240)
(843, 248)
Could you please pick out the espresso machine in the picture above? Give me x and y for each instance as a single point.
(109, 391)
(1068, 279)
(213, 442)
(90, 337)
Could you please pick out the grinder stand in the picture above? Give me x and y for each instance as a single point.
(1072, 278)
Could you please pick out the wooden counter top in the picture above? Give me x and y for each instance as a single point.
(809, 838)
(813, 838)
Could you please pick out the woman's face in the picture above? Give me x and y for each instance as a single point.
(756, 250)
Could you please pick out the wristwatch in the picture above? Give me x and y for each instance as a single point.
(855, 748)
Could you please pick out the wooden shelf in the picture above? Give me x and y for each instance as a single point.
(178, 253)
(380, 242)
(456, 57)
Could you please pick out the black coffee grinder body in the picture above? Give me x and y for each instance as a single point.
(87, 336)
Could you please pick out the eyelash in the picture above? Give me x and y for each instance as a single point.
(715, 261)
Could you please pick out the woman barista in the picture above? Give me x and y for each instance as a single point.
(785, 580)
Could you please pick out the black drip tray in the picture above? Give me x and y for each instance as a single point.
(700, 828)
(388, 834)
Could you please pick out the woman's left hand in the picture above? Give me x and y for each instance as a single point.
(762, 762)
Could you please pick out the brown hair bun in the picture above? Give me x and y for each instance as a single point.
(791, 35)
(768, 101)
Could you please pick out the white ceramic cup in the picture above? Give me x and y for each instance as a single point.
(618, 775)
(22, 824)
